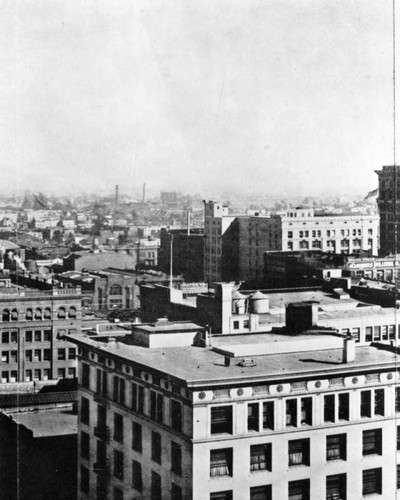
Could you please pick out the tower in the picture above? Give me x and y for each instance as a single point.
(388, 199)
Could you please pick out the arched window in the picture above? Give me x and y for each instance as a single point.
(38, 313)
(72, 312)
(116, 290)
(6, 315)
(14, 315)
(29, 314)
(47, 313)
(61, 313)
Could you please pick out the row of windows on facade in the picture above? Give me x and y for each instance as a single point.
(138, 395)
(32, 336)
(221, 460)
(38, 314)
(11, 376)
(304, 244)
(336, 488)
(299, 411)
(37, 355)
(330, 233)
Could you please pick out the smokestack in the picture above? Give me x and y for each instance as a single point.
(188, 222)
(349, 350)
(144, 195)
(116, 194)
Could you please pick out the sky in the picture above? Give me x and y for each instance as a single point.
(280, 97)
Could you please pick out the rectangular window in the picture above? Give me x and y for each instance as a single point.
(329, 408)
(4, 356)
(306, 411)
(101, 382)
(344, 402)
(379, 404)
(397, 400)
(37, 355)
(372, 442)
(299, 490)
(253, 417)
(71, 353)
(261, 493)
(13, 356)
(336, 447)
(385, 332)
(398, 437)
(221, 419)
(176, 415)
(368, 334)
(372, 481)
(137, 482)
(176, 492)
(38, 336)
(398, 476)
(137, 437)
(236, 325)
(391, 332)
(221, 495)
(118, 465)
(85, 445)
(221, 462)
(85, 375)
(61, 354)
(268, 415)
(28, 336)
(260, 457)
(365, 409)
(176, 458)
(46, 354)
(377, 333)
(156, 447)
(336, 487)
(47, 335)
(156, 406)
(119, 390)
(60, 373)
(137, 398)
(118, 428)
(155, 486)
(5, 337)
(299, 452)
(28, 356)
(291, 412)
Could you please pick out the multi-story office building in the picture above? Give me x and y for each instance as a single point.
(32, 324)
(389, 208)
(235, 245)
(272, 417)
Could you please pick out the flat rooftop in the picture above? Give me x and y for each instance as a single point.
(199, 366)
(48, 423)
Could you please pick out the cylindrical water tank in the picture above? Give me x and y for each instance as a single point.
(238, 303)
(259, 303)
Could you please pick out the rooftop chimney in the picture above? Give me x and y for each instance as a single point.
(349, 350)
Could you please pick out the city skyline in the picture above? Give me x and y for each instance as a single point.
(277, 97)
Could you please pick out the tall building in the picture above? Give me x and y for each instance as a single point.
(389, 211)
(235, 245)
(297, 416)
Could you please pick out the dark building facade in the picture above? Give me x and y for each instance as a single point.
(389, 209)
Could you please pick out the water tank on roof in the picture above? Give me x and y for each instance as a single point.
(238, 303)
(259, 303)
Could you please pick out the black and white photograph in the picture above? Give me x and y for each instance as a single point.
(199, 250)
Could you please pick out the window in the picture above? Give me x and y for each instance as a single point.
(47, 313)
(397, 399)
(61, 314)
(299, 452)
(28, 376)
(46, 354)
(71, 353)
(101, 382)
(260, 457)
(118, 428)
(13, 339)
(236, 325)
(299, 490)
(176, 492)
(306, 411)
(5, 337)
(4, 356)
(372, 481)
(260, 493)
(336, 447)
(329, 408)
(379, 403)
(37, 355)
(344, 406)
(60, 373)
(38, 313)
(221, 462)
(156, 406)
(46, 374)
(253, 417)
(336, 487)
(221, 495)
(137, 482)
(176, 415)
(291, 412)
(47, 335)
(372, 442)
(5, 377)
(28, 356)
(29, 314)
(221, 419)
(176, 458)
(398, 437)
(119, 390)
(85, 375)
(84, 482)
(137, 398)
(72, 312)
(116, 290)
(137, 437)
(155, 486)
(118, 464)
(85, 445)
(156, 447)
(398, 476)
(365, 409)
(61, 355)
(13, 356)
(14, 315)
(368, 334)
(38, 336)
(268, 415)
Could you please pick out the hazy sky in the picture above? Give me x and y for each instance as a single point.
(272, 96)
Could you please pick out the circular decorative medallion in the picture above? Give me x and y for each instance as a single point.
(390, 376)
(355, 380)
(318, 384)
(240, 392)
(202, 395)
(279, 388)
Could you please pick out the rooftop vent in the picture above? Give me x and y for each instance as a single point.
(247, 362)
